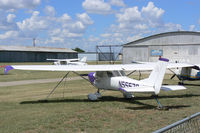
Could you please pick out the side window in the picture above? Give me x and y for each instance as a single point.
(109, 74)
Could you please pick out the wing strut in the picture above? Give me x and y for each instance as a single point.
(84, 78)
(57, 85)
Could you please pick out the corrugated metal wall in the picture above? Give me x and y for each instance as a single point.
(135, 54)
(181, 46)
(179, 53)
(16, 56)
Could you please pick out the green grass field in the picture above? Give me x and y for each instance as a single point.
(23, 109)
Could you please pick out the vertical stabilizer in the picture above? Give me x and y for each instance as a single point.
(156, 77)
(84, 59)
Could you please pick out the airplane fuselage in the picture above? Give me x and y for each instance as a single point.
(106, 82)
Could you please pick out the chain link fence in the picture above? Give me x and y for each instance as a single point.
(188, 125)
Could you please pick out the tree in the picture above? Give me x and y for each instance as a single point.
(79, 50)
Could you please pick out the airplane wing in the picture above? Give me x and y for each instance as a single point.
(170, 65)
(175, 65)
(63, 59)
(131, 67)
(124, 67)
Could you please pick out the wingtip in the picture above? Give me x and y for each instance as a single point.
(7, 68)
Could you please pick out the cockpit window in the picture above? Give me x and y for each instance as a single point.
(110, 74)
(118, 73)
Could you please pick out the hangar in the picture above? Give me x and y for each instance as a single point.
(178, 46)
(34, 54)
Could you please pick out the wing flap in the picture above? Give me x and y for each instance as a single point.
(138, 90)
(172, 87)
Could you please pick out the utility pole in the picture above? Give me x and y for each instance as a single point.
(34, 40)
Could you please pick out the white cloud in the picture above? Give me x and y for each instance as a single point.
(18, 4)
(171, 27)
(117, 3)
(151, 11)
(35, 22)
(140, 26)
(93, 39)
(10, 18)
(9, 34)
(85, 19)
(106, 35)
(153, 15)
(129, 15)
(133, 20)
(64, 19)
(97, 7)
(133, 38)
(50, 11)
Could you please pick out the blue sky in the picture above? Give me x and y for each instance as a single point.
(87, 23)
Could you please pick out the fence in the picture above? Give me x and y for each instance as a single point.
(188, 125)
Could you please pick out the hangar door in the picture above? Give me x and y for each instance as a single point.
(135, 54)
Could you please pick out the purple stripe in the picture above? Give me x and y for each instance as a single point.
(164, 59)
(7, 68)
(122, 89)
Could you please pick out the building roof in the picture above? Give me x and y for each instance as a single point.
(181, 39)
(35, 49)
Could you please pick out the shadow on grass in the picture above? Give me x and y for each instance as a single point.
(109, 99)
(146, 107)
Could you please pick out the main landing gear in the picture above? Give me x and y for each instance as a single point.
(128, 95)
(95, 96)
(160, 106)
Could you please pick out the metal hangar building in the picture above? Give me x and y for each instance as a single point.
(179, 46)
(34, 54)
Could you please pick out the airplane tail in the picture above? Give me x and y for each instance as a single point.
(157, 75)
(84, 59)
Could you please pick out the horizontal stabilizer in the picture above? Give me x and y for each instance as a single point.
(138, 90)
(172, 87)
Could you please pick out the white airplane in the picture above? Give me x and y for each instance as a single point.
(69, 61)
(186, 73)
(112, 77)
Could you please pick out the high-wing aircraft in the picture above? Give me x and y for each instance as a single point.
(112, 77)
(186, 73)
(69, 61)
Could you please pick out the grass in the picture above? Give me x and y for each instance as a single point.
(23, 108)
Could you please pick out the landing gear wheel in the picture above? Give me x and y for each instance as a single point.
(94, 97)
(180, 83)
(128, 95)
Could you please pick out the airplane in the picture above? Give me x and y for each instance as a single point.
(69, 61)
(112, 77)
(184, 73)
